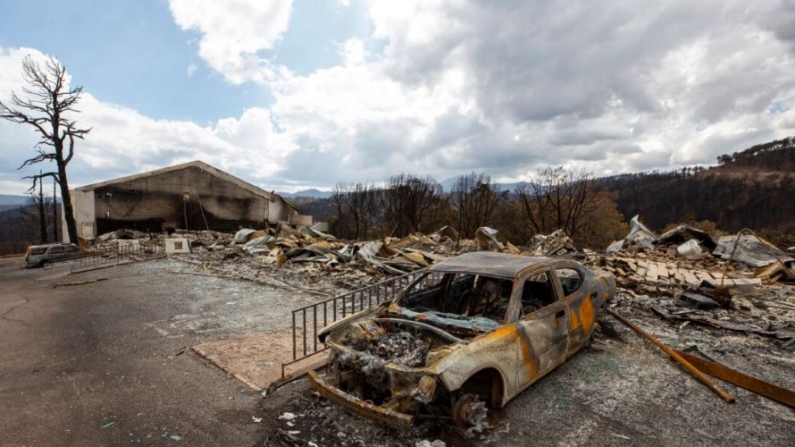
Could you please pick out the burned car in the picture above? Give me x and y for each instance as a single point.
(39, 255)
(467, 336)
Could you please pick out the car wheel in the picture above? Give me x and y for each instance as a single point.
(473, 415)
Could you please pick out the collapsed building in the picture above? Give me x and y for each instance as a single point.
(191, 195)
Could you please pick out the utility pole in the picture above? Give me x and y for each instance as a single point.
(42, 213)
(54, 211)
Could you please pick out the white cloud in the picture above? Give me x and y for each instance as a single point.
(234, 32)
(123, 141)
(353, 52)
(446, 87)
(506, 87)
(191, 69)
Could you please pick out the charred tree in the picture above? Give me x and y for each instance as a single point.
(474, 199)
(357, 209)
(406, 201)
(47, 102)
(559, 199)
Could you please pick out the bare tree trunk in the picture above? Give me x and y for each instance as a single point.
(69, 213)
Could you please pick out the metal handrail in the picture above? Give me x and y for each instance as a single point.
(337, 308)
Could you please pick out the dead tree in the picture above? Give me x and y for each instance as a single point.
(559, 199)
(406, 201)
(48, 99)
(474, 198)
(356, 206)
(33, 217)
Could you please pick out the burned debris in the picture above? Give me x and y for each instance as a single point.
(406, 361)
(721, 283)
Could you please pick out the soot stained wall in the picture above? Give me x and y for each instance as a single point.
(189, 196)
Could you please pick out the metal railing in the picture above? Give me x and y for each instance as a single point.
(308, 320)
(113, 254)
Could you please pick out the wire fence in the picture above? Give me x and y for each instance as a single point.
(115, 253)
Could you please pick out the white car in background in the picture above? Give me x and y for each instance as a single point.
(38, 255)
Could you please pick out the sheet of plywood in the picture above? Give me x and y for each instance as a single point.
(652, 274)
(690, 277)
(677, 274)
(671, 270)
(704, 275)
(255, 359)
(662, 270)
(643, 268)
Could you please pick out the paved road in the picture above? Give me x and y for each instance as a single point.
(105, 363)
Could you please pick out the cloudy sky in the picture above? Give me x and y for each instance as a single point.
(291, 94)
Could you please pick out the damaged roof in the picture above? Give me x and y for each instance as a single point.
(499, 265)
(192, 164)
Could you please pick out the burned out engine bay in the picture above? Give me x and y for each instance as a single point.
(381, 360)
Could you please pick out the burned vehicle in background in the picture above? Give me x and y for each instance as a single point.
(467, 336)
(39, 255)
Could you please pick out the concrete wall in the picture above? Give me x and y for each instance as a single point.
(154, 203)
(279, 211)
(83, 207)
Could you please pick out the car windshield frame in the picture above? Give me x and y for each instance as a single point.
(504, 294)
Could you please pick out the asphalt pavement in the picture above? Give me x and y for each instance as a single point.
(106, 363)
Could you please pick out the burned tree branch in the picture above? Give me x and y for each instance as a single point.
(48, 99)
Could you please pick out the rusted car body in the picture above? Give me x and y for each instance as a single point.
(470, 334)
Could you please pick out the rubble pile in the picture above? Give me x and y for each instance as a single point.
(306, 258)
(709, 280)
(688, 257)
(737, 283)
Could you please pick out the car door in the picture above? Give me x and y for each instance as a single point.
(578, 297)
(543, 325)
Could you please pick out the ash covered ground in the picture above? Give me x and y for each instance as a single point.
(619, 391)
(117, 352)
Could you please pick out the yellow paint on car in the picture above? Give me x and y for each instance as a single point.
(587, 314)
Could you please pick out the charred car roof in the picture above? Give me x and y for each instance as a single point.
(499, 265)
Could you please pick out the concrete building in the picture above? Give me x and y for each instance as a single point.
(192, 195)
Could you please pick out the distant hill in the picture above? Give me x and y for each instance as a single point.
(315, 193)
(11, 200)
(447, 185)
(748, 189)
